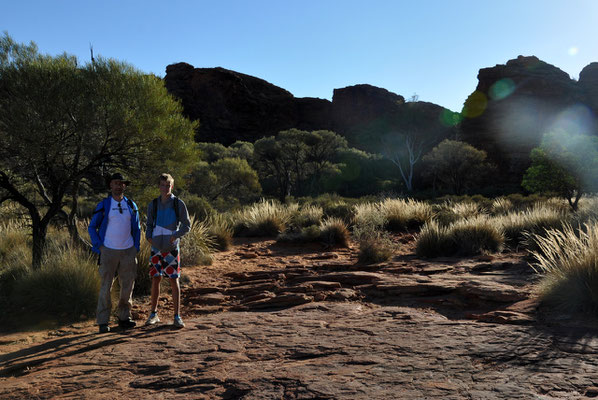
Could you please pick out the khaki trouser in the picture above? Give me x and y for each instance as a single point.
(123, 263)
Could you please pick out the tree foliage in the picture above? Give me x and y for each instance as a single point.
(297, 160)
(565, 164)
(63, 126)
(226, 178)
(456, 165)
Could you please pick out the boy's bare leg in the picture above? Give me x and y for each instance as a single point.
(176, 295)
(155, 293)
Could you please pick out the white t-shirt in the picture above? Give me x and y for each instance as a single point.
(118, 233)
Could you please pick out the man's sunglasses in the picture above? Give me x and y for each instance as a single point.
(120, 210)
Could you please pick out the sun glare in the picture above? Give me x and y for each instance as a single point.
(573, 51)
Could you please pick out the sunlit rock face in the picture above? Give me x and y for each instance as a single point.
(232, 106)
(515, 104)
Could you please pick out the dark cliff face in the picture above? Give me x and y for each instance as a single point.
(514, 105)
(233, 106)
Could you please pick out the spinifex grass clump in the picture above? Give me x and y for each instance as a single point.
(374, 244)
(265, 218)
(515, 225)
(470, 236)
(67, 285)
(196, 246)
(220, 230)
(331, 232)
(334, 232)
(501, 206)
(307, 215)
(406, 214)
(568, 261)
(450, 211)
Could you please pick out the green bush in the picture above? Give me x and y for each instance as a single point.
(567, 259)
(198, 206)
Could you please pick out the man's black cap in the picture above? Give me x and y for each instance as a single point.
(120, 177)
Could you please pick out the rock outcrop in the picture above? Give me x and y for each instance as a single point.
(233, 106)
(516, 103)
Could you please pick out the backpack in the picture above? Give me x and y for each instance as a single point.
(155, 210)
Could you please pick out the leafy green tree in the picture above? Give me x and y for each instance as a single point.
(565, 164)
(456, 165)
(63, 126)
(227, 178)
(296, 157)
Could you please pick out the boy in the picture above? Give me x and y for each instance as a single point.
(167, 222)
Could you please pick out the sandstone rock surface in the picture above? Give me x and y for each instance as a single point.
(302, 324)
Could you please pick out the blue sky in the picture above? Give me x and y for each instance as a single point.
(430, 48)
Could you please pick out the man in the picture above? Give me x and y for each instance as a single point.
(167, 222)
(115, 234)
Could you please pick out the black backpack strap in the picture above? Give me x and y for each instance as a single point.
(176, 208)
(154, 211)
(132, 205)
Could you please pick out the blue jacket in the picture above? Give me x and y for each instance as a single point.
(99, 224)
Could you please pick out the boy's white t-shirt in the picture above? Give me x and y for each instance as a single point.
(118, 233)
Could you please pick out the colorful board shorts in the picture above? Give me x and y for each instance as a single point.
(165, 263)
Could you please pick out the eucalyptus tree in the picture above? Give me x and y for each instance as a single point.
(64, 125)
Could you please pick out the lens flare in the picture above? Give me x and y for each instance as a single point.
(449, 118)
(576, 119)
(475, 105)
(501, 89)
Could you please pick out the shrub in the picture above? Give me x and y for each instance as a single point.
(403, 214)
(265, 218)
(334, 232)
(568, 262)
(198, 206)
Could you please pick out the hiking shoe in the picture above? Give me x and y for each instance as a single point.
(178, 322)
(152, 319)
(126, 323)
(104, 328)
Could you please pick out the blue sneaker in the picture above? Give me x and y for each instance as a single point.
(178, 322)
(152, 319)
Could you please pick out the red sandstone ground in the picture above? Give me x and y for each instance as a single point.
(280, 321)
